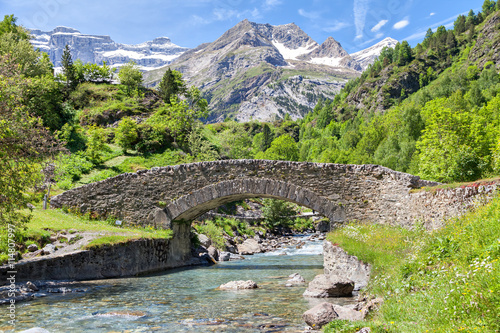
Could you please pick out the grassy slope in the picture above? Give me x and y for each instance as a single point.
(443, 281)
(47, 222)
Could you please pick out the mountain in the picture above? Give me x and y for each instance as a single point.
(367, 56)
(96, 49)
(261, 71)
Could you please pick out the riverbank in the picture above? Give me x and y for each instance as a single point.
(441, 281)
(188, 300)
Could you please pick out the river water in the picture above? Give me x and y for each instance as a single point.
(186, 300)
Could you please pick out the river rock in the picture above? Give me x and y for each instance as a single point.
(320, 315)
(345, 313)
(249, 246)
(204, 240)
(236, 257)
(32, 247)
(212, 251)
(342, 266)
(35, 330)
(31, 286)
(224, 256)
(322, 226)
(327, 286)
(296, 278)
(235, 285)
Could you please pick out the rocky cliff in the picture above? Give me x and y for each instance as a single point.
(97, 49)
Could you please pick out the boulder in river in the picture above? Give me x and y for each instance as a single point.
(235, 285)
(204, 240)
(249, 246)
(327, 286)
(212, 251)
(320, 315)
(296, 278)
(325, 312)
(224, 256)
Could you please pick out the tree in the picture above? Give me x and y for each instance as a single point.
(131, 77)
(24, 145)
(171, 85)
(96, 144)
(126, 133)
(9, 26)
(459, 25)
(488, 7)
(282, 148)
(277, 213)
(68, 68)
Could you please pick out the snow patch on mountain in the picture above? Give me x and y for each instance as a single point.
(367, 56)
(293, 54)
(97, 49)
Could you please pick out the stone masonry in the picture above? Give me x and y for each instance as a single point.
(183, 192)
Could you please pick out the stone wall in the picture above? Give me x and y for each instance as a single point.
(432, 208)
(128, 259)
(161, 195)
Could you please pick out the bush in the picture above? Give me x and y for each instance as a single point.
(213, 232)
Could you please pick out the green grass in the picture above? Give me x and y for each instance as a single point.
(46, 222)
(442, 281)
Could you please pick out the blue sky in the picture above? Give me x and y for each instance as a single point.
(356, 24)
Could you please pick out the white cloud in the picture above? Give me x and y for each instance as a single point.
(309, 15)
(272, 3)
(360, 9)
(432, 14)
(379, 35)
(336, 26)
(379, 25)
(401, 24)
(222, 14)
(198, 20)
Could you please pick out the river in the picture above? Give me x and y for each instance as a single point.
(186, 300)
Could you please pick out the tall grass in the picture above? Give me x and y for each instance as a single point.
(442, 281)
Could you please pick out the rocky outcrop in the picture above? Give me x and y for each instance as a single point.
(339, 264)
(236, 285)
(329, 286)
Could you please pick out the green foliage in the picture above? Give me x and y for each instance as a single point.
(131, 77)
(282, 148)
(276, 213)
(68, 69)
(96, 144)
(126, 133)
(212, 231)
(456, 269)
(171, 85)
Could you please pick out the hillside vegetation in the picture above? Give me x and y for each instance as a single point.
(444, 281)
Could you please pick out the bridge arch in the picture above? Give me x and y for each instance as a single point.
(198, 202)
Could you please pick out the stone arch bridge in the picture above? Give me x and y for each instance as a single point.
(163, 195)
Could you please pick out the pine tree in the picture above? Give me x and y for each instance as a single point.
(171, 85)
(68, 68)
(459, 25)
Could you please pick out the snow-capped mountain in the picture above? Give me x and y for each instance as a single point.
(367, 56)
(261, 71)
(96, 49)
